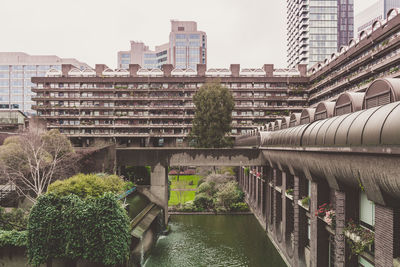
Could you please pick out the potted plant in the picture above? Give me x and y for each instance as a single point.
(289, 191)
(305, 201)
(359, 238)
(326, 212)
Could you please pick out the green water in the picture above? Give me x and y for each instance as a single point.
(214, 240)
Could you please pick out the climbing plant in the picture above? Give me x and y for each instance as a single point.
(94, 229)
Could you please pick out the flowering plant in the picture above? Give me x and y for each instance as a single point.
(359, 238)
(326, 212)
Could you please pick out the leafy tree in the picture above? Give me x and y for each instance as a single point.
(84, 185)
(33, 159)
(213, 116)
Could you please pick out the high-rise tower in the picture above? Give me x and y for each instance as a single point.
(316, 29)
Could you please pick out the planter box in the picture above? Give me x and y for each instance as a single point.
(307, 208)
(289, 196)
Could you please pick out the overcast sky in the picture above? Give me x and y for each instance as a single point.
(248, 32)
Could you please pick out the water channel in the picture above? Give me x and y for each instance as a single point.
(214, 240)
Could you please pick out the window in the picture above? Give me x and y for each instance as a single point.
(125, 56)
(367, 211)
(181, 36)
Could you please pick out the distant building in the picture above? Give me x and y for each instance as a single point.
(186, 48)
(316, 29)
(16, 70)
(377, 11)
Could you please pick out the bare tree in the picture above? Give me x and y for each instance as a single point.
(35, 158)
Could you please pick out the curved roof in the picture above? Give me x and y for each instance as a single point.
(376, 25)
(307, 115)
(53, 73)
(89, 72)
(122, 72)
(352, 42)
(271, 126)
(294, 119)
(277, 125)
(177, 72)
(324, 110)
(75, 72)
(285, 122)
(143, 72)
(342, 49)
(362, 35)
(349, 102)
(392, 13)
(378, 126)
(382, 91)
(156, 73)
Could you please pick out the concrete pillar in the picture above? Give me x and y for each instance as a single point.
(284, 203)
(340, 241)
(385, 235)
(296, 218)
(314, 248)
(159, 188)
(257, 183)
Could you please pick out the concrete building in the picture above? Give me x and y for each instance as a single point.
(378, 11)
(16, 70)
(186, 48)
(316, 29)
(143, 107)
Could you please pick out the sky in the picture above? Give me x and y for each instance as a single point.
(246, 32)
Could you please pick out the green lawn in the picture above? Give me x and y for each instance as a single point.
(186, 196)
(186, 178)
(182, 184)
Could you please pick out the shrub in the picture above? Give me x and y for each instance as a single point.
(206, 188)
(84, 185)
(95, 229)
(16, 219)
(228, 195)
(13, 238)
(241, 206)
(200, 182)
(203, 201)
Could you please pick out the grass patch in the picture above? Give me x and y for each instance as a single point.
(186, 196)
(186, 178)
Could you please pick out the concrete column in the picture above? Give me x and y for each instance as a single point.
(340, 241)
(262, 204)
(159, 188)
(284, 206)
(274, 193)
(314, 248)
(257, 182)
(385, 242)
(296, 217)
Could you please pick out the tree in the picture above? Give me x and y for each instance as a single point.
(33, 159)
(213, 116)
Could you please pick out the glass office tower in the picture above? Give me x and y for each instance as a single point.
(317, 28)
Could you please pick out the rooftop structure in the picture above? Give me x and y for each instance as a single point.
(186, 48)
(377, 11)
